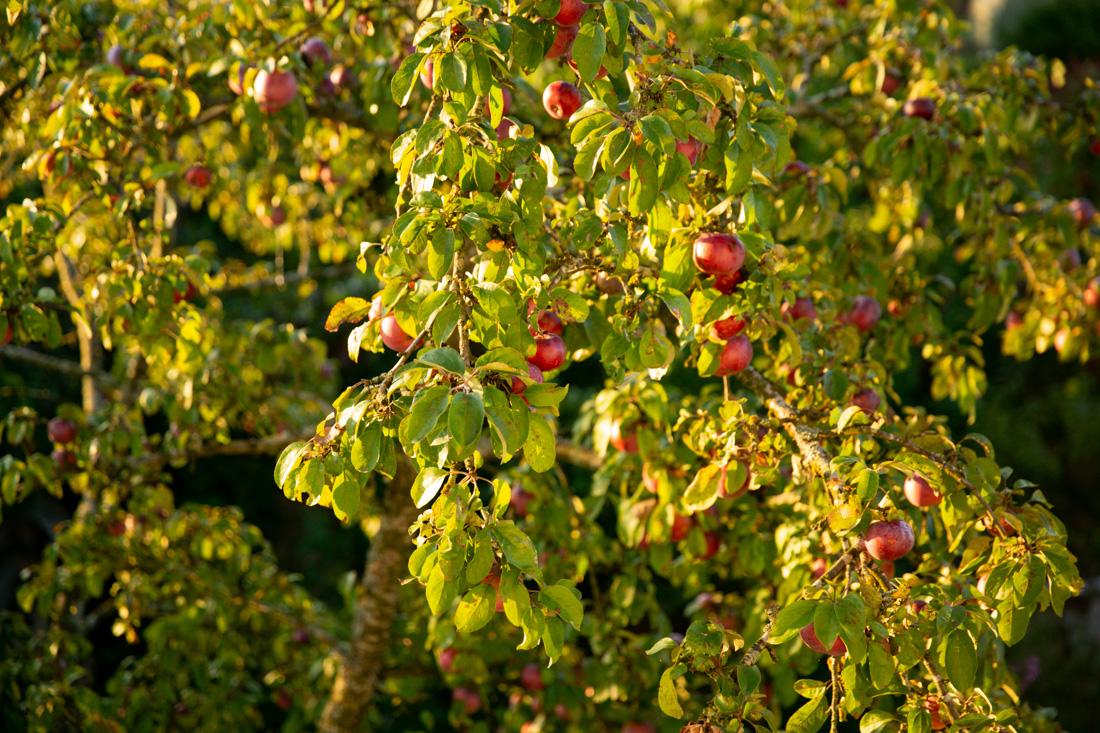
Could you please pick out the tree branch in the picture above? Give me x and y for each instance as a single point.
(54, 363)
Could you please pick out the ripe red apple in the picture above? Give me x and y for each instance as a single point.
(549, 352)
(718, 253)
(1082, 211)
(809, 638)
(282, 698)
(1013, 320)
(689, 148)
(447, 659)
(735, 356)
(187, 294)
(818, 567)
(519, 501)
(198, 176)
(340, 77)
(601, 74)
(636, 727)
(713, 544)
(919, 492)
(624, 443)
(867, 400)
(932, 705)
(393, 336)
(865, 313)
(274, 90)
(316, 52)
(504, 129)
(609, 284)
(549, 322)
(802, 308)
(300, 636)
(531, 678)
(570, 12)
(796, 169)
(1094, 146)
(890, 84)
(518, 387)
(427, 74)
(726, 283)
(561, 99)
(64, 459)
(729, 327)
(1091, 296)
(921, 107)
(116, 56)
(918, 606)
(564, 35)
(681, 526)
(9, 334)
(470, 700)
(887, 541)
(61, 431)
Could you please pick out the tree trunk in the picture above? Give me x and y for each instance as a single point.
(361, 665)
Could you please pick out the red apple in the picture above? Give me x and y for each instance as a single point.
(796, 169)
(341, 77)
(609, 284)
(1094, 146)
(393, 336)
(531, 678)
(890, 84)
(316, 52)
(681, 526)
(504, 129)
(116, 56)
(689, 148)
(867, 400)
(187, 294)
(726, 283)
(818, 567)
(918, 606)
(198, 176)
(735, 356)
(518, 387)
(1091, 296)
(549, 322)
(274, 90)
(561, 99)
(636, 727)
(887, 541)
(919, 492)
(1013, 320)
(932, 705)
(921, 107)
(549, 352)
(865, 313)
(506, 102)
(61, 431)
(802, 308)
(1082, 211)
(64, 459)
(729, 327)
(570, 12)
(519, 501)
(718, 253)
(427, 74)
(470, 700)
(601, 74)
(9, 334)
(564, 35)
(714, 543)
(624, 443)
(809, 638)
(447, 659)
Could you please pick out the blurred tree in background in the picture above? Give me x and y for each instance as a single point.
(659, 448)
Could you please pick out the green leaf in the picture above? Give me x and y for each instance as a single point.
(347, 310)
(509, 424)
(517, 601)
(476, 608)
(666, 642)
(617, 16)
(748, 678)
(366, 446)
(427, 408)
(540, 448)
(516, 546)
(288, 461)
(791, 619)
(465, 418)
(427, 485)
(666, 694)
(881, 664)
(452, 72)
(440, 591)
(960, 659)
(562, 597)
(482, 561)
(345, 497)
(401, 85)
(504, 360)
(588, 50)
(811, 716)
(702, 492)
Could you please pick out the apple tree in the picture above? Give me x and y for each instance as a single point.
(640, 281)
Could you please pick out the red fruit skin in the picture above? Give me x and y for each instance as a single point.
(735, 356)
(570, 12)
(865, 313)
(1083, 213)
(187, 294)
(818, 567)
(867, 400)
(561, 712)
(681, 526)
(505, 102)
(918, 606)
(340, 77)
(809, 638)
(718, 254)
(61, 431)
(1094, 146)
(796, 169)
(919, 492)
(447, 659)
(116, 56)
(1013, 320)
(531, 678)
(601, 74)
(887, 541)
(890, 84)
(636, 727)
(274, 90)
(549, 322)
(561, 99)
(921, 107)
(627, 443)
(504, 129)
(714, 543)
(727, 283)
(609, 284)
(393, 336)
(729, 327)
(471, 701)
(690, 149)
(198, 176)
(519, 501)
(315, 52)
(803, 308)
(427, 75)
(9, 334)
(564, 35)
(64, 459)
(549, 352)
(932, 705)
(518, 387)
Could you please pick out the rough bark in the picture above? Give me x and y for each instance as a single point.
(357, 678)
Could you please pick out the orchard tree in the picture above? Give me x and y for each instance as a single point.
(745, 225)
